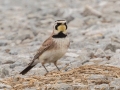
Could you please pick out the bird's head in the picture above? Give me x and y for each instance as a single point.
(60, 27)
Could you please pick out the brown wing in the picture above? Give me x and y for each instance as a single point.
(46, 45)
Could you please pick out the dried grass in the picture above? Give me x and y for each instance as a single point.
(76, 75)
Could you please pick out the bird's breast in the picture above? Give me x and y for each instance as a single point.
(59, 49)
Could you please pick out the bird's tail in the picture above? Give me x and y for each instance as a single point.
(27, 69)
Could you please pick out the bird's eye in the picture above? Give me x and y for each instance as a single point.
(66, 26)
(56, 26)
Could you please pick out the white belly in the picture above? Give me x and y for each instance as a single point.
(55, 54)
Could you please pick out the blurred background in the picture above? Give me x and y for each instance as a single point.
(93, 26)
(23, 21)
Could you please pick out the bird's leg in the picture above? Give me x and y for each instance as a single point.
(45, 68)
(55, 63)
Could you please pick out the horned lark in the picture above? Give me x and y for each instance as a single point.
(53, 48)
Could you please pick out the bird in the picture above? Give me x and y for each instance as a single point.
(52, 48)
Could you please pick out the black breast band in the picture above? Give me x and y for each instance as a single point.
(59, 35)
